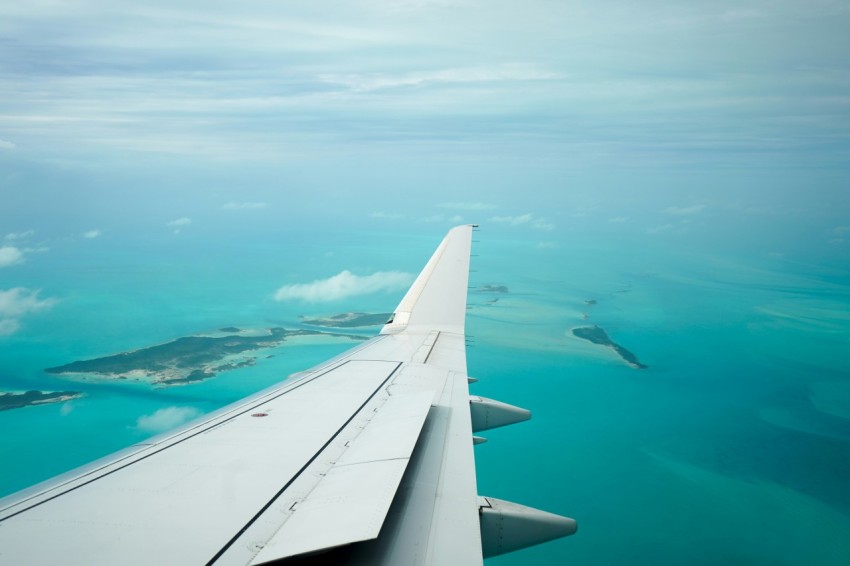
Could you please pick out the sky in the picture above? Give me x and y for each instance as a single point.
(116, 113)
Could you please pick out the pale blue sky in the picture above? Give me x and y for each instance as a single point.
(134, 114)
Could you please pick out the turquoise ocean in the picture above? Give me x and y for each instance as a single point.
(733, 447)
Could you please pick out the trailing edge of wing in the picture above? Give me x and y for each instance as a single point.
(351, 501)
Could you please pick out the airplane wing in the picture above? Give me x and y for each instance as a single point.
(364, 459)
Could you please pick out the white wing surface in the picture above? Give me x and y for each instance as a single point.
(365, 459)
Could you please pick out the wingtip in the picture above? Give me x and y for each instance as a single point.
(437, 299)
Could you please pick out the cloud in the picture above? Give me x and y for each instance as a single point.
(513, 220)
(243, 205)
(17, 236)
(542, 224)
(346, 80)
(10, 255)
(92, 234)
(547, 245)
(17, 303)
(7, 145)
(660, 229)
(9, 326)
(166, 419)
(344, 285)
(684, 210)
(469, 75)
(183, 221)
(528, 218)
(467, 205)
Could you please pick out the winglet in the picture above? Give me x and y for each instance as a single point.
(437, 299)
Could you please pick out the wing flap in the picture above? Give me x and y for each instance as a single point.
(213, 481)
(351, 502)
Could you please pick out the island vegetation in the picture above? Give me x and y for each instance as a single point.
(15, 400)
(186, 360)
(349, 320)
(597, 335)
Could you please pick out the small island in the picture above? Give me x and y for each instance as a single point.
(16, 400)
(348, 320)
(597, 335)
(189, 359)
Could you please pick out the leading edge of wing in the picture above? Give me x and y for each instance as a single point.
(437, 299)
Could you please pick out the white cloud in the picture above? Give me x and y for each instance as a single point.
(467, 205)
(343, 285)
(17, 236)
(180, 222)
(684, 210)
(16, 303)
(660, 229)
(92, 234)
(528, 218)
(10, 255)
(7, 145)
(166, 419)
(501, 73)
(9, 326)
(244, 205)
(513, 220)
(547, 245)
(542, 224)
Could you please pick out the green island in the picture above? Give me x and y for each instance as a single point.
(189, 359)
(597, 335)
(14, 400)
(348, 320)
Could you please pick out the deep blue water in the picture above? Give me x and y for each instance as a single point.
(732, 448)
